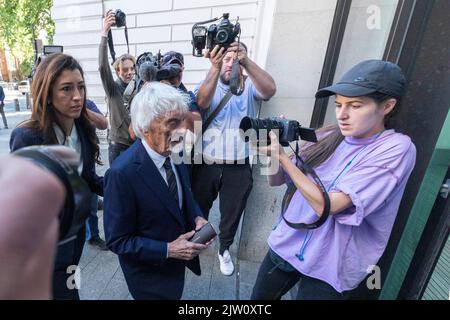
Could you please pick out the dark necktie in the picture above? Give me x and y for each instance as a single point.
(171, 180)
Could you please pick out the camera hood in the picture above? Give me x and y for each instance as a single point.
(78, 195)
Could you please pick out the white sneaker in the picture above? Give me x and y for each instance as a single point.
(226, 263)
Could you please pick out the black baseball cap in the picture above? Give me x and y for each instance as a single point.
(172, 57)
(368, 77)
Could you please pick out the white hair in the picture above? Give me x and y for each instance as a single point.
(155, 100)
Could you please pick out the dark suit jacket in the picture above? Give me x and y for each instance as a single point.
(69, 253)
(141, 218)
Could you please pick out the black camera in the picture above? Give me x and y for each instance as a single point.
(78, 195)
(121, 19)
(289, 130)
(223, 34)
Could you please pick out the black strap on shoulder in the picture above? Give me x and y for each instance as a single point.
(111, 44)
(219, 108)
(306, 169)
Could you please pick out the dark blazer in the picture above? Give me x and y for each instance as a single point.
(24, 137)
(141, 218)
(68, 254)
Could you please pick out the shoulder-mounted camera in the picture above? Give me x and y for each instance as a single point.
(223, 34)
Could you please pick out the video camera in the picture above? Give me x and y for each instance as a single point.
(223, 34)
(289, 130)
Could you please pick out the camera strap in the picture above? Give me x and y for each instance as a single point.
(216, 111)
(209, 120)
(237, 83)
(111, 44)
(306, 169)
(126, 38)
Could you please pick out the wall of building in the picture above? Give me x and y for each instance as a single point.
(152, 25)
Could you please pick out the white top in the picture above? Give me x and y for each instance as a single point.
(159, 163)
(72, 141)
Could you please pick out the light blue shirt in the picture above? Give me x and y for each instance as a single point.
(222, 140)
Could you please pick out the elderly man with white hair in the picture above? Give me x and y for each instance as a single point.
(149, 210)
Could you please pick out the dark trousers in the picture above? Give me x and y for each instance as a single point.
(114, 150)
(233, 183)
(67, 258)
(2, 111)
(92, 231)
(276, 277)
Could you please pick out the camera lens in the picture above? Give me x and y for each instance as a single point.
(222, 36)
(257, 125)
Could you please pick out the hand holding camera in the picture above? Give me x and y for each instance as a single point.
(108, 22)
(223, 35)
(215, 56)
(241, 52)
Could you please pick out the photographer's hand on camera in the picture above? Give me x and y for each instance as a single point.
(241, 53)
(182, 249)
(108, 22)
(215, 56)
(206, 91)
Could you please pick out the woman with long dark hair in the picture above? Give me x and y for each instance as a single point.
(364, 166)
(59, 116)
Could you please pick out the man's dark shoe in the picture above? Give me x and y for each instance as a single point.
(99, 243)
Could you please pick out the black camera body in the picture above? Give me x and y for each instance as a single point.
(121, 19)
(289, 130)
(222, 34)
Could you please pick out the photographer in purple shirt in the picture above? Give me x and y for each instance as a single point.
(364, 166)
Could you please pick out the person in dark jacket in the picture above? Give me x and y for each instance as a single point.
(150, 213)
(59, 116)
(2, 105)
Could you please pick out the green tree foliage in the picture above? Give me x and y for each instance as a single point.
(21, 21)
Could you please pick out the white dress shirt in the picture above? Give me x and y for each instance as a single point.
(159, 163)
(72, 141)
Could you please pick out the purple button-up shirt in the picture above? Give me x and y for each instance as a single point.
(373, 172)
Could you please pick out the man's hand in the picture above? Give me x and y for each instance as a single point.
(182, 249)
(108, 22)
(215, 57)
(199, 223)
(241, 53)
